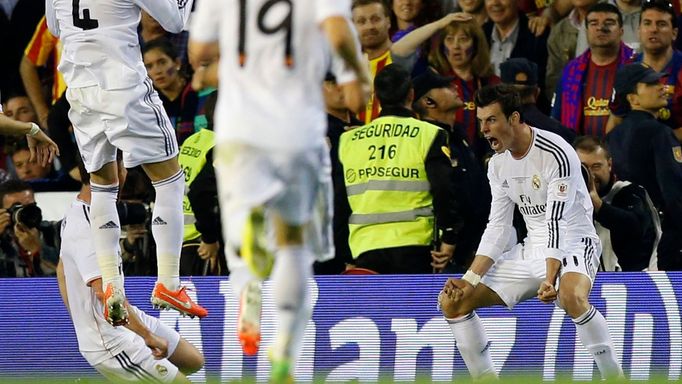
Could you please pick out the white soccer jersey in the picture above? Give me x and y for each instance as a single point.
(273, 57)
(100, 40)
(547, 186)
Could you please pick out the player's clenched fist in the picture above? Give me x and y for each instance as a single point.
(547, 293)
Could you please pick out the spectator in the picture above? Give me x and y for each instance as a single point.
(41, 177)
(658, 27)
(18, 107)
(28, 246)
(26, 14)
(461, 52)
(631, 11)
(567, 40)
(406, 15)
(523, 74)
(43, 51)
(181, 102)
(581, 100)
(435, 100)
(397, 183)
(646, 153)
(475, 8)
(508, 35)
(372, 21)
(625, 218)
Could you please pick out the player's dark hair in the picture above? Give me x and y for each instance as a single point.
(605, 8)
(591, 144)
(392, 85)
(360, 3)
(504, 94)
(13, 186)
(162, 44)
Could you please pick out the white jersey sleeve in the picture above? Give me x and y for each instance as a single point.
(344, 74)
(51, 18)
(206, 21)
(171, 14)
(500, 226)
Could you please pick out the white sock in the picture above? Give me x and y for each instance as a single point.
(167, 228)
(473, 345)
(106, 231)
(594, 334)
(290, 286)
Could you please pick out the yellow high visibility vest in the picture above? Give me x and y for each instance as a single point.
(192, 159)
(385, 177)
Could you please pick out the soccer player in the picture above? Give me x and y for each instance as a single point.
(269, 139)
(538, 172)
(114, 106)
(145, 349)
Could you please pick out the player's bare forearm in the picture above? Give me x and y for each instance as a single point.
(553, 267)
(61, 282)
(13, 127)
(340, 37)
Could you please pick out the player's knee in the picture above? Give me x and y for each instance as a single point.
(453, 309)
(573, 302)
(193, 363)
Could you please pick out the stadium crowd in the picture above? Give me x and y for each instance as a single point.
(563, 58)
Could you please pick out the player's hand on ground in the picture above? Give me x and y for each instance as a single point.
(441, 257)
(42, 148)
(547, 293)
(158, 345)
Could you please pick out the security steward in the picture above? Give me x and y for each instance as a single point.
(646, 152)
(200, 242)
(399, 186)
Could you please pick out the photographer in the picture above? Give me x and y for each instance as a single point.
(27, 244)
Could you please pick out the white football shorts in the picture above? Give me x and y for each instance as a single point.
(517, 275)
(285, 183)
(132, 120)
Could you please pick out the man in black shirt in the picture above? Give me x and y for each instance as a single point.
(645, 152)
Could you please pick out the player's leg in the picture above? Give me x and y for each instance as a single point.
(467, 328)
(167, 228)
(510, 281)
(135, 363)
(590, 324)
(89, 114)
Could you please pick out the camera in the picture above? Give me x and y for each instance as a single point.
(29, 215)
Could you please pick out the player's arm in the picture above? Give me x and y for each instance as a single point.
(499, 234)
(51, 18)
(203, 49)
(342, 40)
(170, 14)
(61, 282)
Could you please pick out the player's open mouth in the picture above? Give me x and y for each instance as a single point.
(493, 142)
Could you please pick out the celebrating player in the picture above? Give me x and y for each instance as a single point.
(538, 172)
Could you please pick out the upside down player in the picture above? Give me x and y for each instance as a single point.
(146, 349)
(540, 173)
(114, 105)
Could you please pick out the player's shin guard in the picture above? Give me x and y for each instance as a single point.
(290, 286)
(106, 232)
(473, 345)
(594, 334)
(167, 228)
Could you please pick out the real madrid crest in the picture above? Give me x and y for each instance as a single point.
(535, 182)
